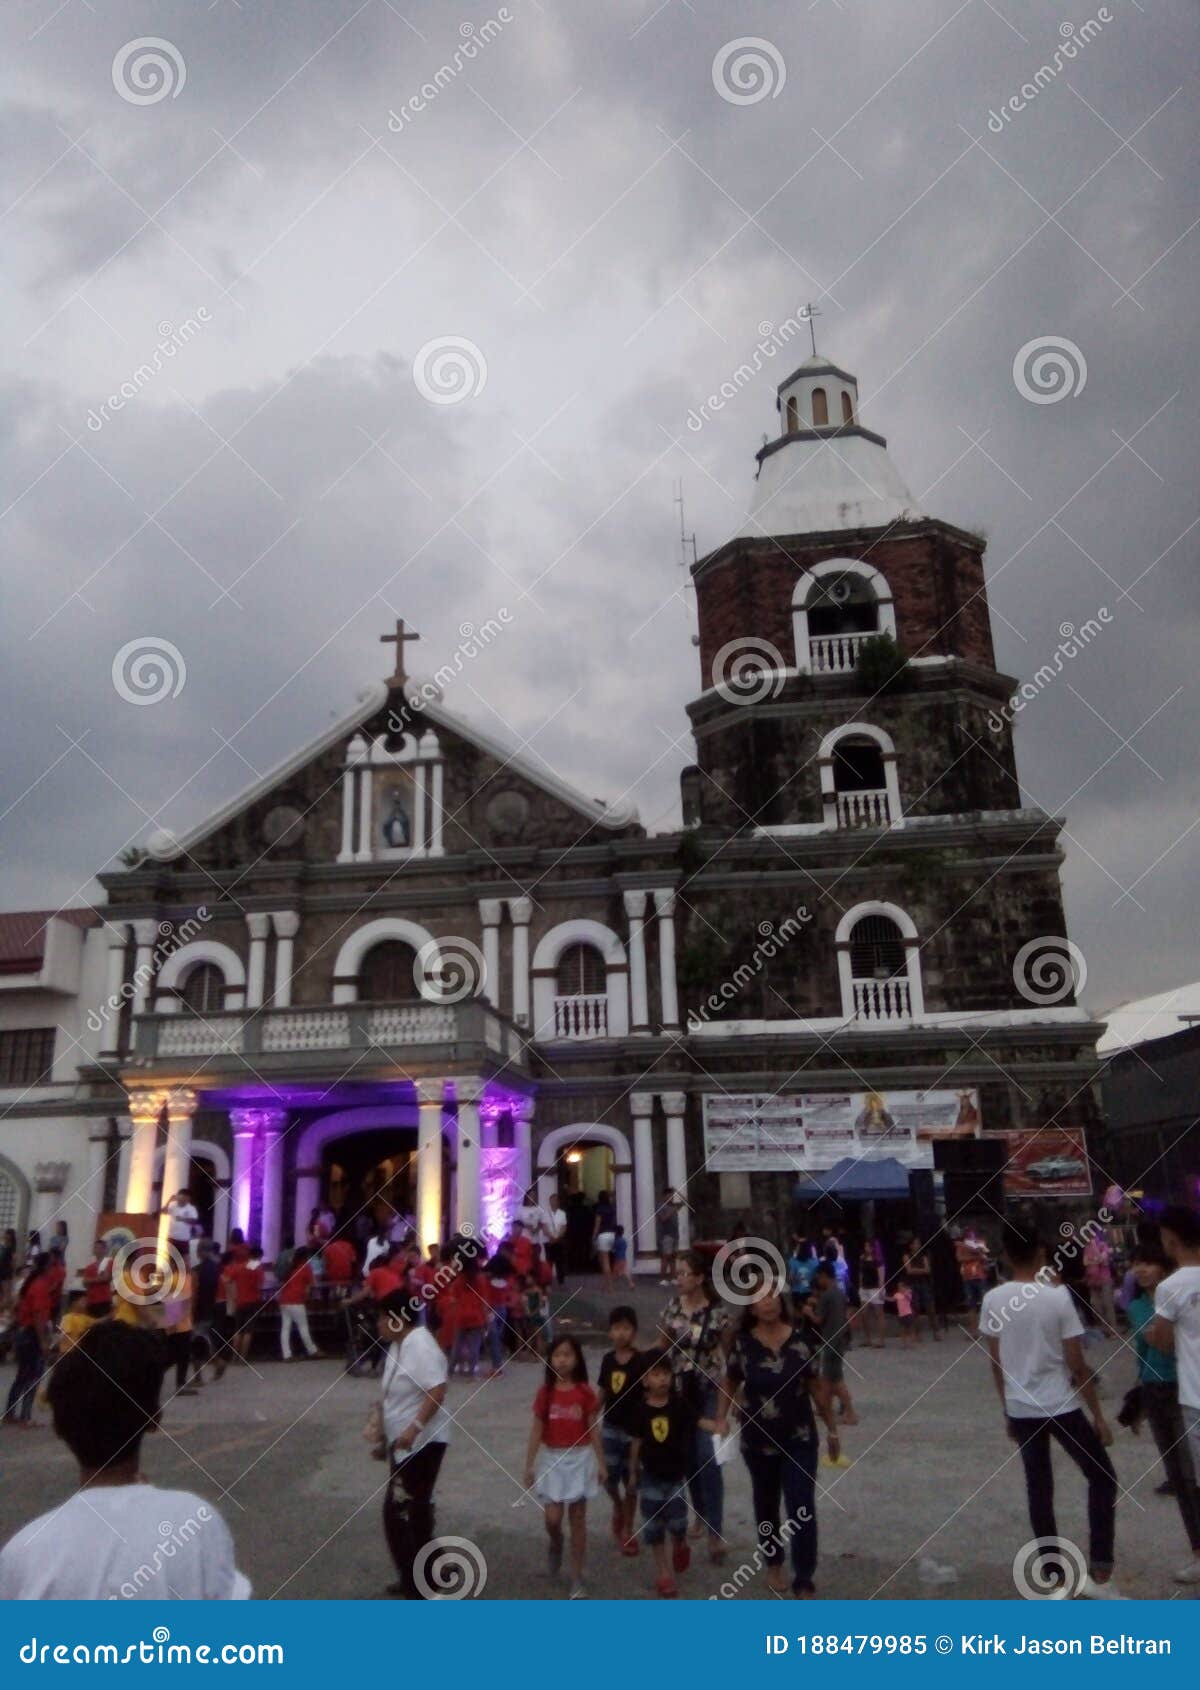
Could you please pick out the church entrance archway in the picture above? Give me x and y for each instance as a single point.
(577, 1163)
(360, 1163)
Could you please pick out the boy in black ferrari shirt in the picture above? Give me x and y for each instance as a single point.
(664, 1432)
(620, 1386)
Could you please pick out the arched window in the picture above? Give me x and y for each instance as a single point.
(793, 415)
(820, 407)
(860, 784)
(847, 407)
(203, 991)
(879, 965)
(581, 994)
(835, 607)
(388, 973)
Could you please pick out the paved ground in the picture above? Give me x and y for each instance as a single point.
(280, 1450)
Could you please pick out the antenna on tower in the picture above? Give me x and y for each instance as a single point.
(685, 539)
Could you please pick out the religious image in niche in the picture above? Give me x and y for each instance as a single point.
(395, 827)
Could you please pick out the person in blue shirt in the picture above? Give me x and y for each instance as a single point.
(1160, 1401)
(801, 1265)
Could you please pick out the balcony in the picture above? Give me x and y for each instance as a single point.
(582, 1017)
(836, 654)
(882, 1001)
(327, 1035)
(868, 808)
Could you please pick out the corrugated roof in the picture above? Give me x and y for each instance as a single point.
(23, 936)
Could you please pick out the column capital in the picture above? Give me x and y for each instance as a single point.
(469, 1091)
(430, 1092)
(181, 1103)
(259, 923)
(641, 1103)
(118, 934)
(286, 923)
(664, 901)
(635, 904)
(490, 910)
(253, 1118)
(521, 910)
(146, 932)
(146, 1106)
(673, 1102)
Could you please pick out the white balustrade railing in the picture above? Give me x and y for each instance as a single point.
(305, 1029)
(868, 808)
(199, 1035)
(883, 1000)
(584, 1017)
(835, 654)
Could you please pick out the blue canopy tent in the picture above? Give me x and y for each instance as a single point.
(855, 1179)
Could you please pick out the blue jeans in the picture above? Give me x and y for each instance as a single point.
(664, 1509)
(496, 1329)
(706, 1482)
(27, 1353)
(790, 1473)
(616, 1457)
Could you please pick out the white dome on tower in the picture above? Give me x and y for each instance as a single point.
(825, 471)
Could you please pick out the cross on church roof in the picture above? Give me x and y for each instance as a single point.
(398, 639)
(806, 314)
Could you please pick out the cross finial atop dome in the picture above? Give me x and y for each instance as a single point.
(806, 314)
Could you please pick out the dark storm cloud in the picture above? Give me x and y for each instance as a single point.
(585, 156)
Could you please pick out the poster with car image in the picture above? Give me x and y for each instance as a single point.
(1051, 1162)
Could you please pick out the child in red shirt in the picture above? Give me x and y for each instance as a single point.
(564, 1462)
(340, 1261)
(242, 1283)
(472, 1312)
(292, 1298)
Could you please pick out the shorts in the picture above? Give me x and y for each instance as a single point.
(605, 1242)
(973, 1290)
(871, 1299)
(668, 1243)
(616, 1454)
(664, 1508)
(833, 1367)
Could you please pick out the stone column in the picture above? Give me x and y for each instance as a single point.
(145, 1107)
(430, 1107)
(437, 843)
(674, 1106)
(664, 908)
(259, 925)
(145, 935)
(420, 780)
(520, 910)
(114, 979)
(467, 1202)
(365, 843)
(644, 1244)
(243, 1124)
(92, 1192)
(635, 909)
(522, 1116)
(489, 915)
(286, 924)
(181, 1106)
(274, 1123)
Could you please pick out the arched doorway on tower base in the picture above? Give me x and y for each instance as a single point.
(603, 1153)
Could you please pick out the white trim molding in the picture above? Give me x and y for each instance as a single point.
(915, 1008)
(349, 959)
(181, 963)
(887, 751)
(598, 1132)
(546, 956)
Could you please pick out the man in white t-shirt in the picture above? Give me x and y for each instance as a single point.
(416, 1429)
(533, 1218)
(183, 1219)
(117, 1537)
(1035, 1339)
(555, 1222)
(1176, 1326)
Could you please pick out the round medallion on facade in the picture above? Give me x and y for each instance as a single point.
(507, 813)
(283, 825)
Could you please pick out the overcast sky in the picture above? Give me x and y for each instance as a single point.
(609, 231)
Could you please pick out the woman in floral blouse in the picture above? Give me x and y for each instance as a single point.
(695, 1328)
(771, 1374)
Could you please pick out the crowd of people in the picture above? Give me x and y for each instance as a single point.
(761, 1376)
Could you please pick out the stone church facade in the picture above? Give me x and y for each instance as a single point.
(410, 957)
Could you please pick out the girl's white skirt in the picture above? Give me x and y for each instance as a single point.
(565, 1475)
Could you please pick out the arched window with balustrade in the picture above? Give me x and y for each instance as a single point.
(879, 965)
(581, 994)
(203, 990)
(835, 607)
(859, 782)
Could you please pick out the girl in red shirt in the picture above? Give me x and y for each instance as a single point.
(32, 1330)
(472, 1311)
(292, 1298)
(564, 1463)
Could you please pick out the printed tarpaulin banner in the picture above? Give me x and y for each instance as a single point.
(811, 1131)
(1051, 1162)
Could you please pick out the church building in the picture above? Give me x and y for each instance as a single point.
(409, 965)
